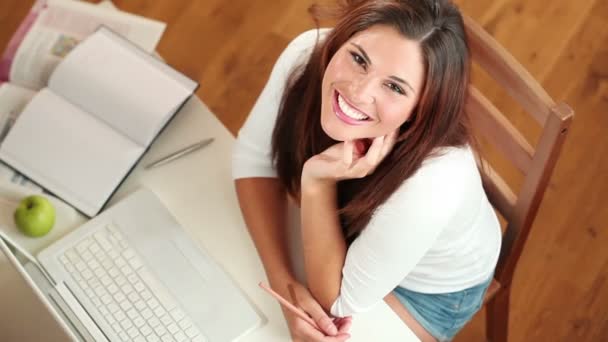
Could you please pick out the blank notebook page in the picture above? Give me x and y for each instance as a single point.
(71, 153)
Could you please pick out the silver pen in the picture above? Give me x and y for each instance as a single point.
(180, 153)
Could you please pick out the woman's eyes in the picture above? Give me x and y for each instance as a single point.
(357, 58)
(394, 87)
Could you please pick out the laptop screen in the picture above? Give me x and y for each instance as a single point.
(25, 314)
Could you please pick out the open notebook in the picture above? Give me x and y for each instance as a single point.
(104, 104)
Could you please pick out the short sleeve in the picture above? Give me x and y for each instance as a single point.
(251, 155)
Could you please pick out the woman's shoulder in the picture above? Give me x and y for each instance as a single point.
(449, 163)
(447, 175)
(302, 45)
(447, 183)
(308, 38)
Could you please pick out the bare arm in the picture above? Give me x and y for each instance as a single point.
(263, 204)
(324, 245)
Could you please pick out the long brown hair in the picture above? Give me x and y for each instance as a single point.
(438, 120)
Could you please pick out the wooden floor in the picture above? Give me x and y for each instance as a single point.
(561, 285)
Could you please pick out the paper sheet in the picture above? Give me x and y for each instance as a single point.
(121, 85)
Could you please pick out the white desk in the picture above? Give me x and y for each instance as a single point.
(198, 189)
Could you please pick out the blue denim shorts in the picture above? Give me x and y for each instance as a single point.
(443, 314)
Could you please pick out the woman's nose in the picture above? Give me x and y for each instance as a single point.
(362, 90)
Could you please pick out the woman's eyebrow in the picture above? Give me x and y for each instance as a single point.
(365, 56)
(369, 61)
(400, 80)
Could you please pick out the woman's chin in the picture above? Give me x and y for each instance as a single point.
(337, 133)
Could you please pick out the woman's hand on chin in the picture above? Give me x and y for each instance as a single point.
(346, 160)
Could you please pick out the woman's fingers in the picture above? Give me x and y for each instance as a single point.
(373, 153)
(344, 160)
(389, 142)
(307, 332)
(344, 324)
(317, 313)
(338, 338)
(349, 147)
(366, 165)
(325, 323)
(380, 148)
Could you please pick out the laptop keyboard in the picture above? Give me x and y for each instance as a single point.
(131, 300)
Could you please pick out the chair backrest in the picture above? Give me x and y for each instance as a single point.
(535, 163)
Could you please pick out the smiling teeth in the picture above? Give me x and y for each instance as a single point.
(349, 111)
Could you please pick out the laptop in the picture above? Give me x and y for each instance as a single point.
(129, 274)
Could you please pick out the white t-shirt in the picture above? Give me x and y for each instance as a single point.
(436, 234)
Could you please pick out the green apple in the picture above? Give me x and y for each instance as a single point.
(35, 216)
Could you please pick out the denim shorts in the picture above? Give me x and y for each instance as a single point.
(443, 314)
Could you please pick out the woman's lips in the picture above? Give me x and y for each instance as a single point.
(342, 116)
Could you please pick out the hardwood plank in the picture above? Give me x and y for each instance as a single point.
(560, 240)
(11, 14)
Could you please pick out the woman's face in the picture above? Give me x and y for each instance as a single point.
(371, 84)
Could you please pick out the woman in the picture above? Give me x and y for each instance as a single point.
(363, 127)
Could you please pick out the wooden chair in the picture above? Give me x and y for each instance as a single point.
(536, 164)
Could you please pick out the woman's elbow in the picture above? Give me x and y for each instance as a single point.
(342, 308)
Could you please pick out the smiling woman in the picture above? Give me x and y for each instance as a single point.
(363, 126)
(365, 91)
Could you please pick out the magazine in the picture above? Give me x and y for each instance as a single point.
(53, 28)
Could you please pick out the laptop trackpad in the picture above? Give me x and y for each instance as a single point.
(202, 288)
(175, 271)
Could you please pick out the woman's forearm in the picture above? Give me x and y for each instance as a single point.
(263, 204)
(324, 245)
